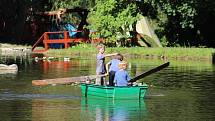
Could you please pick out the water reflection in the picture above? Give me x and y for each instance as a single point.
(52, 65)
(55, 110)
(57, 69)
(15, 110)
(213, 58)
(102, 109)
(183, 91)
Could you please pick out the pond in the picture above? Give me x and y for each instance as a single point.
(183, 91)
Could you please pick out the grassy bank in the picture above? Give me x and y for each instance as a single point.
(166, 53)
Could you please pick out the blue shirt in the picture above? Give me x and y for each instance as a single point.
(114, 65)
(121, 78)
(100, 63)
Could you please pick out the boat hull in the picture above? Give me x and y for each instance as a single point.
(124, 92)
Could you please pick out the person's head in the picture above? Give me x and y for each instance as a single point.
(101, 48)
(119, 57)
(123, 65)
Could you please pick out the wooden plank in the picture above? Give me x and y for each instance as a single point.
(58, 40)
(67, 80)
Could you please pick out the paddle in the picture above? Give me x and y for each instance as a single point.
(149, 72)
(66, 80)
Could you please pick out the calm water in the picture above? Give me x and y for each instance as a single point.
(185, 91)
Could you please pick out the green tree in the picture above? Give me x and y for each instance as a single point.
(112, 19)
(180, 20)
(72, 4)
(72, 17)
(183, 22)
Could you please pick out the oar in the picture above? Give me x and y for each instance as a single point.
(150, 72)
(66, 80)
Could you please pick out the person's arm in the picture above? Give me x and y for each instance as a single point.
(107, 67)
(128, 77)
(108, 55)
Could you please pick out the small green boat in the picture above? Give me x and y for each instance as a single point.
(124, 92)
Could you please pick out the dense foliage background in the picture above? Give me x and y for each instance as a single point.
(176, 22)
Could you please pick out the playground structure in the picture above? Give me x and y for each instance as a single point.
(63, 41)
(69, 35)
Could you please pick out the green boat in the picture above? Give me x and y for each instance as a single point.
(123, 92)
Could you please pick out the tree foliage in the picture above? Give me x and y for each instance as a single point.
(72, 17)
(185, 22)
(112, 19)
(72, 4)
(182, 9)
(177, 22)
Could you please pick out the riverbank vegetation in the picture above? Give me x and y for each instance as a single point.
(176, 53)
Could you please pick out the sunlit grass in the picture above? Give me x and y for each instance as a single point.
(168, 52)
(173, 53)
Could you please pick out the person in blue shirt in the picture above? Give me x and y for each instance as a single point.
(100, 64)
(112, 67)
(121, 76)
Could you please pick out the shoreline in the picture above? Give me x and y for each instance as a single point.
(88, 50)
(181, 54)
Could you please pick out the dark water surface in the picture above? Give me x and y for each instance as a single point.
(185, 91)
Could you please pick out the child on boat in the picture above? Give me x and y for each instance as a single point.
(100, 64)
(112, 67)
(121, 76)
